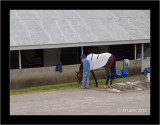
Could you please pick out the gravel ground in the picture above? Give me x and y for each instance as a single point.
(93, 101)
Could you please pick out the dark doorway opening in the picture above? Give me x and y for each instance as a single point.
(14, 60)
(32, 58)
(129, 51)
(70, 56)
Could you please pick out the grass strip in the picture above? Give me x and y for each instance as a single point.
(73, 85)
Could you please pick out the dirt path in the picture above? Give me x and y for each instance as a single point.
(93, 101)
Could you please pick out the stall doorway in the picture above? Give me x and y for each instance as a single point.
(129, 51)
(32, 58)
(70, 56)
(14, 60)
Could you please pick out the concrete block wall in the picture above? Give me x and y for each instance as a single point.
(23, 78)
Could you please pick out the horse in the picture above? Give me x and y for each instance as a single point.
(110, 65)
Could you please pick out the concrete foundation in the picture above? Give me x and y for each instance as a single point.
(23, 78)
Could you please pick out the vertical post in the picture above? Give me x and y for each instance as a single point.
(135, 52)
(82, 50)
(60, 56)
(142, 49)
(19, 59)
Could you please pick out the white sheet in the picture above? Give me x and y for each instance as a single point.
(98, 61)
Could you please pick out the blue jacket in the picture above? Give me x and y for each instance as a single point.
(86, 65)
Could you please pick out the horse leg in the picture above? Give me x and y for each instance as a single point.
(111, 82)
(107, 72)
(113, 69)
(94, 78)
(107, 68)
(112, 77)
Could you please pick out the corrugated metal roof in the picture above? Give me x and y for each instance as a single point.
(61, 27)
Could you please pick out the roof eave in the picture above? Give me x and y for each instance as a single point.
(47, 46)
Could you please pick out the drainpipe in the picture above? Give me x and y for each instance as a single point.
(135, 51)
(142, 49)
(19, 59)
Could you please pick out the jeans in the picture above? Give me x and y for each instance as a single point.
(85, 77)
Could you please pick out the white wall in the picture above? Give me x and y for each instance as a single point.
(52, 57)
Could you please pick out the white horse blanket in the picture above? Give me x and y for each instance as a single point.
(98, 61)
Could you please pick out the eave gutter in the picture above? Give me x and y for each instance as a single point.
(47, 46)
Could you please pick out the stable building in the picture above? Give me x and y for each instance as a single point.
(46, 38)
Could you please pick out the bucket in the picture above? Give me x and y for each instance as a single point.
(124, 73)
(118, 73)
(148, 76)
(109, 75)
(147, 70)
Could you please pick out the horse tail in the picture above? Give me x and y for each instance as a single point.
(113, 68)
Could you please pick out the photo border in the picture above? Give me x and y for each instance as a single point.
(8, 5)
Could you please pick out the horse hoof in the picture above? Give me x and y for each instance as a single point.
(105, 86)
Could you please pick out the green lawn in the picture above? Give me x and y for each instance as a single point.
(73, 85)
